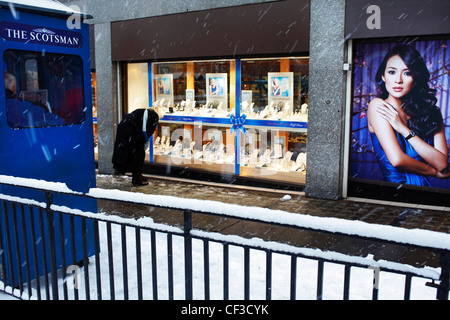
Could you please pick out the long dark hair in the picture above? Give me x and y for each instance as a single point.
(420, 102)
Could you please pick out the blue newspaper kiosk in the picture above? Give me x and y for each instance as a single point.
(46, 130)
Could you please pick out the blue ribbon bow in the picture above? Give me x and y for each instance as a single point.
(238, 123)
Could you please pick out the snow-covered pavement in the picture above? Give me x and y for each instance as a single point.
(391, 286)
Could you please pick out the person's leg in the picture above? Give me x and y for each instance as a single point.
(138, 164)
(138, 179)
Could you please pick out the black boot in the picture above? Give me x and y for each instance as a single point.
(139, 180)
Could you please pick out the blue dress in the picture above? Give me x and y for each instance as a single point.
(392, 174)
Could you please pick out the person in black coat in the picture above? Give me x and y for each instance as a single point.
(129, 148)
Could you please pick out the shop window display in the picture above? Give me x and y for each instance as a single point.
(203, 114)
(274, 102)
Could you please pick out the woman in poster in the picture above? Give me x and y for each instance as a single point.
(212, 87)
(276, 89)
(405, 124)
(161, 88)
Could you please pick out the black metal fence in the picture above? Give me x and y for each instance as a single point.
(40, 246)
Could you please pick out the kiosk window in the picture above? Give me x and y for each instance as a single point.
(43, 89)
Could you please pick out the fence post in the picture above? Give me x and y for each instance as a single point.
(52, 245)
(188, 253)
(444, 287)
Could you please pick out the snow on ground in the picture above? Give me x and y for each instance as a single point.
(391, 285)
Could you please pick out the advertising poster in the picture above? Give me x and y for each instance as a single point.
(401, 113)
(281, 90)
(279, 86)
(164, 87)
(217, 84)
(217, 90)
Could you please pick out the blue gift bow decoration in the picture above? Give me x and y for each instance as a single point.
(238, 123)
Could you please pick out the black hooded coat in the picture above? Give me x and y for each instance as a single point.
(129, 152)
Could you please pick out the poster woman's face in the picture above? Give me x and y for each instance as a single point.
(397, 77)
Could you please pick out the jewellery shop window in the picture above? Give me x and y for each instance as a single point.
(274, 100)
(196, 99)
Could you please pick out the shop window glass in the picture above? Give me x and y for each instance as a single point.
(255, 78)
(275, 91)
(197, 100)
(184, 81)
(43, 89)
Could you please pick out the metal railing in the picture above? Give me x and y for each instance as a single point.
(140, 259)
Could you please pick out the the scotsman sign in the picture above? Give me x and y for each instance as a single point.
(40, 35)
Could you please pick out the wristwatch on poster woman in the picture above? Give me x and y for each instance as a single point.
(411, 134)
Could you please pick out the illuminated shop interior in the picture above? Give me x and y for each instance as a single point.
(245, 117)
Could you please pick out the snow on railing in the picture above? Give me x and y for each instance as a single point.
(418, 238)
(414, 237)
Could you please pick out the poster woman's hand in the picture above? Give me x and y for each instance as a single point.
(397, 121)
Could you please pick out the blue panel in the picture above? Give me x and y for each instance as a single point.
(62, 153)
(237, 133)
(150, 102)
